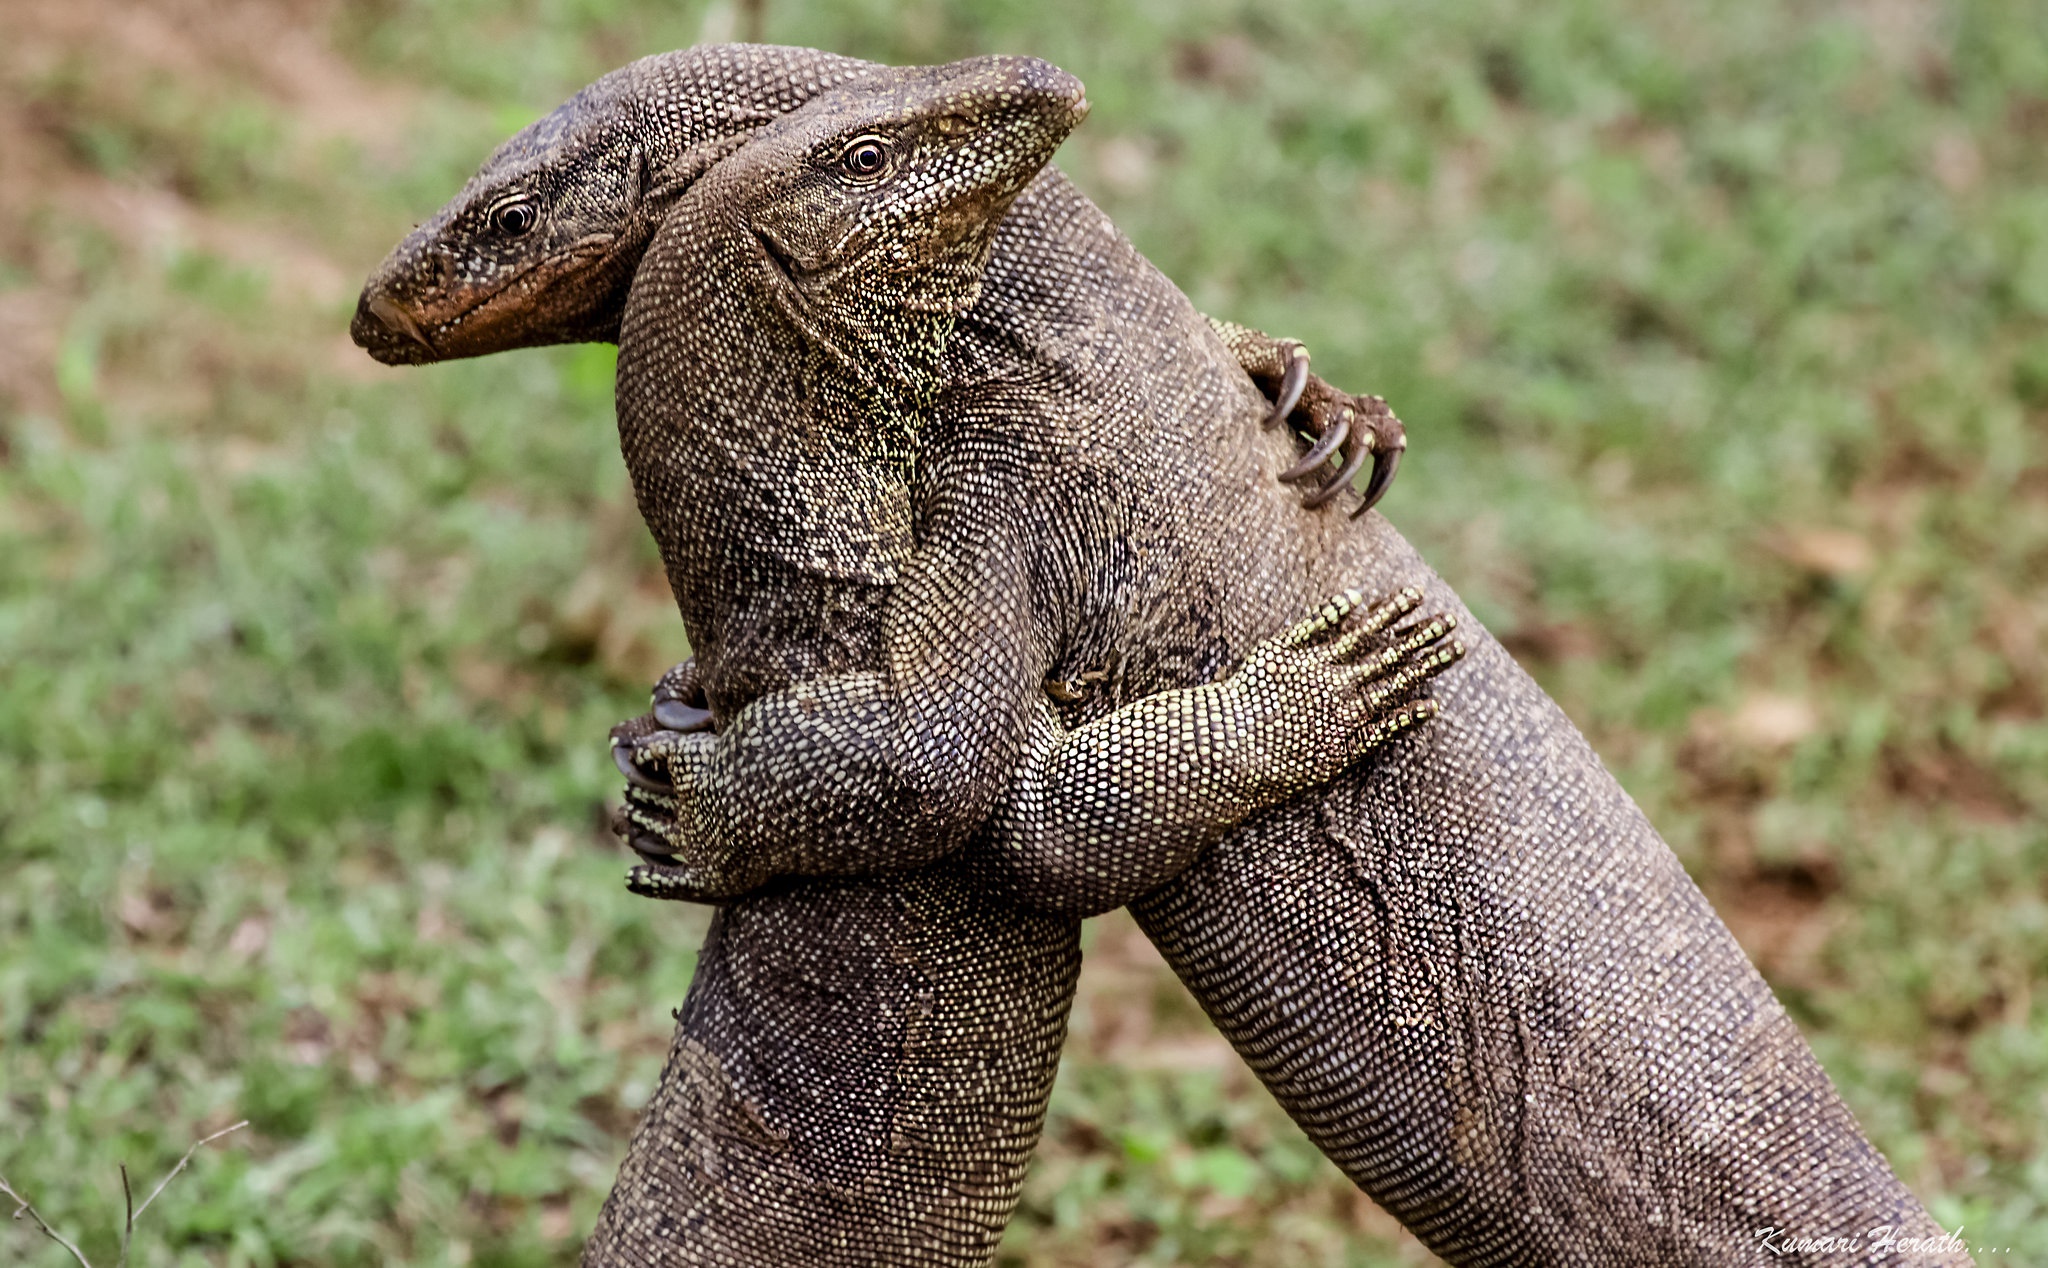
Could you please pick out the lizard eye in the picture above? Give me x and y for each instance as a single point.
(514, 217)
(865, 159)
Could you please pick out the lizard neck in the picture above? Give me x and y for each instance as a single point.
(878, 333)
(772, 466)
(869, 377)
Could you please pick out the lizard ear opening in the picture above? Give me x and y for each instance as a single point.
(636, 180)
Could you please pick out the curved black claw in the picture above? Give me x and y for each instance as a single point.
(1291, 385)
(677, 716)
(622, 757)
(1320, 454)
(1354, 459)
(1384, 464)
(652, 848)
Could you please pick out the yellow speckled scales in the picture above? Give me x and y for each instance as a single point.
(918, 433)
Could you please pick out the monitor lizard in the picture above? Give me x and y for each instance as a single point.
(791, 1045)
(1472, 970)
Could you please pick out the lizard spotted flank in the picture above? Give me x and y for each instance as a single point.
(1470, 969)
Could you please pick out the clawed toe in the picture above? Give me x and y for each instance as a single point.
(622, 757)
(1400, 670)
(1390, 441)
(1415, 637)
(1320, 453)
(652, 848)
(1356, 429)
(1292, 383)
(1384, 464)
(1385, 728)
(677, 716)
(1355, 455)
(679, 699)
(654, 880)
(1383, 614)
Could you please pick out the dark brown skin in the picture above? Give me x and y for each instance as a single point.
(830, 289)
(541, 245)
(995, 978)
(1468, 966)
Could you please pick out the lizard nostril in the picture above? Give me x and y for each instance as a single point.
(444, 271)
(394, 318)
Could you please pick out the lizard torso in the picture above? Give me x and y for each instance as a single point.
(1471, 970)
(1523, 1069)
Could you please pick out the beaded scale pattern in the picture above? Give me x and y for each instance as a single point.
(997, 599)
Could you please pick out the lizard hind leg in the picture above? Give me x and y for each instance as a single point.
(1352, 429)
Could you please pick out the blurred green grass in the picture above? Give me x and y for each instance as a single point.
(1719, 333)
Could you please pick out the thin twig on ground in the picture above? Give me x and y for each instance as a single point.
(24, 1207)
(232, 1127)
(127, 1225)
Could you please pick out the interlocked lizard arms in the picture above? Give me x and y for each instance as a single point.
(862, 1067)
(1469, 968)
(1097, 815)
(827, 263)
(889, 241)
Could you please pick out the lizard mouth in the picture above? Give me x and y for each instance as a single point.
(398, 332)
(393, 322)
(388, 331)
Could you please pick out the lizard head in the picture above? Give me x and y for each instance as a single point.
(879, 201)
(541, 245)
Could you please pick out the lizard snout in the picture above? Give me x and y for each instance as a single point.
(1044, 85)
(383, 327)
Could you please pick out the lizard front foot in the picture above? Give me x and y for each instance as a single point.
(1330, 689)
(656, 752)
(1343, 428)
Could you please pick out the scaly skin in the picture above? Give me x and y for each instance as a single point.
(541, 245)
(1470, 968)
(861, 1068)
(817, 315)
